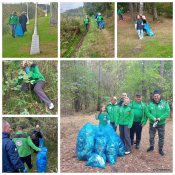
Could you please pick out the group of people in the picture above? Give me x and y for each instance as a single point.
(14, 20)
(133, 116)
(17, 151)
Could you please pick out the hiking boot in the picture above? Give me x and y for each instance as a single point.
(132, 142)
(137, 144)
(151, 148)
(51, 106)
(161, 152)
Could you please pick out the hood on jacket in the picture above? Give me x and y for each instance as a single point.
(155, 102)
(114, 104)
(5, 135)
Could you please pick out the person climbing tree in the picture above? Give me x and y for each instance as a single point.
(36, 81)
(99, 20)
(23, 21)
(86, 22)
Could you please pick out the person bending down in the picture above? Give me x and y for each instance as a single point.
(38, 82)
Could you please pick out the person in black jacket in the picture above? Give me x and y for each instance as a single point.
(144, 23)
(23, 21)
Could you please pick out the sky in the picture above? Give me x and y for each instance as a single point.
(24, 2)
(70, 5)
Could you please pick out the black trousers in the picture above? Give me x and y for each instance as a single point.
(27, 160)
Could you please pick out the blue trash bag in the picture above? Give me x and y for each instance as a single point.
(97, 161)
(148, 30)
(41, 160)
(19, 31)
(85, 141)
(102, 24)
(41, 142)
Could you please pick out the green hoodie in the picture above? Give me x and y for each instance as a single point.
(120, 12)
(100, 18)
(112, 111)
(125, 116)
(13, 19)
(35, 75)
(158, 110)
(86, 20)
(23, 143)
(103, 118)
(140, 112)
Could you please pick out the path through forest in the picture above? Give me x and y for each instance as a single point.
(138, 161)
(96, 44)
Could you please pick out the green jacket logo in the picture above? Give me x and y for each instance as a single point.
(18, 142)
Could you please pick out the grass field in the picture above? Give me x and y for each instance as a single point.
(19, 47)
(159, 46)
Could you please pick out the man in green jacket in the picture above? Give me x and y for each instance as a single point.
(120, 14)
(99, 19)
(112, 110)
(86, 22)
(23, 144)
(13, 21)
(158, 111)
(140, 119)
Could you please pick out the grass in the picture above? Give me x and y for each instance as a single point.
(19, 47)
(52, 158)
(158, 46)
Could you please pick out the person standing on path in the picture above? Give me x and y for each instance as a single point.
(120, 14)
(158, 111)
(86, 22)
(23, 21)
(120, 103)
(99, 20)
(140, 119)
(13, 21)
(112, 110)
(139, 26)
(37, 80)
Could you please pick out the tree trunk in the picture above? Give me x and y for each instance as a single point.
(171, 3)
(162, 72)
(148, 7)
(3, 70)
(99, 85)
(141, 9)
(154, 12)
(131, 11)
(53, 13)
(85, 91)
(137, 7)
(144, 89)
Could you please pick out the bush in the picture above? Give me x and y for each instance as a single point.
(169, 11)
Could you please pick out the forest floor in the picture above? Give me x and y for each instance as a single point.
(139, 161)
(19, 47)
(158, 46)
(97, 43)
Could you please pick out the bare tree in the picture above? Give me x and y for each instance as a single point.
(141, 9)
(162, 71)
(99, 85)
(131, 11)
(144, 89)
(154, 12)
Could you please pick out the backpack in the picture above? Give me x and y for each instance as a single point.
(33, 135)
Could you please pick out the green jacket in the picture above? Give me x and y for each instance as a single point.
(23, 143)
(103, 118)
(112, 110)
(13, 19)
(160, 110)
(35, 75)
(125, 116)
(100, 18)
(86, 21)
(120, 12)
(143, 117)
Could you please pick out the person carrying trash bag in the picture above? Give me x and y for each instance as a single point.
(11, 162)
(158, 111)
(37, 79)
(139, 26)
(23, 21)
(86, 22)
(24, 143)
(120, 14)
(99, 20)
(144, 23)
(13, 21)
(125, 120)
(140, 119)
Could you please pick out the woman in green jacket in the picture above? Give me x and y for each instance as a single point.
(125, 118)
(37, 81)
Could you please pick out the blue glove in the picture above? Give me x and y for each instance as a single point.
(27, 70)
(135, 28)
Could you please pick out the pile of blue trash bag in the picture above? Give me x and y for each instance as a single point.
(102, 24)
(19, 31)
(147, 28)
(98, 144)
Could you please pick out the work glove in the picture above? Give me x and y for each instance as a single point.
(135, 28)
(27, 70)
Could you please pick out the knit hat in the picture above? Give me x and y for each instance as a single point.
(157, 92)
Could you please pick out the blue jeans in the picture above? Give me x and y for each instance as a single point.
(13, 28)
(120, 16)
(136, 127)
(98, 22)
(113, 126)
(140, 33)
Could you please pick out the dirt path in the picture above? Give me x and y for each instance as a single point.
(138, 161)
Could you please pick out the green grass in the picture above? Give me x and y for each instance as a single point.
(52, 158)
(19, 47)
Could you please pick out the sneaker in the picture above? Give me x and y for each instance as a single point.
(127, 152)
(161, 152)
(137, 144)
(51, 106)
(151, 148)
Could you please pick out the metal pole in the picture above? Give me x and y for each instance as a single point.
(36, 25)
(27, 15)
(46, 10)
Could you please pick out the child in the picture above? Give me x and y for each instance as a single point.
(120, 14)
(103, 117)
(144, 23)
(125, 119)
(139, 26)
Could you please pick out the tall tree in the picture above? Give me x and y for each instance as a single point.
(162, 71)
(154, 12)
(99, 85)
(137, 7)
(144, 89)
(141, 9)
(148, 5)
(53, 13)
(131, 11)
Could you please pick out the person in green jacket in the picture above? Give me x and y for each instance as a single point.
(120, 14)
(92, 16)
(140, 119)
(112, 110)
(125, 120)
(13, 21)
(24, 143)
(36, 81)
(103, 117)
(99, 20)
(158, 111)
(86, 22)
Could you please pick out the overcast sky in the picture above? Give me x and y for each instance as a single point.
(70, 5)
(24, 2)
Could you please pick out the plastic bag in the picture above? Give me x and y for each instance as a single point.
(97, 161)
(148, 30)
(41, 142)
(41, 160)
(102, 24)
(85, 141)
(19, 31)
